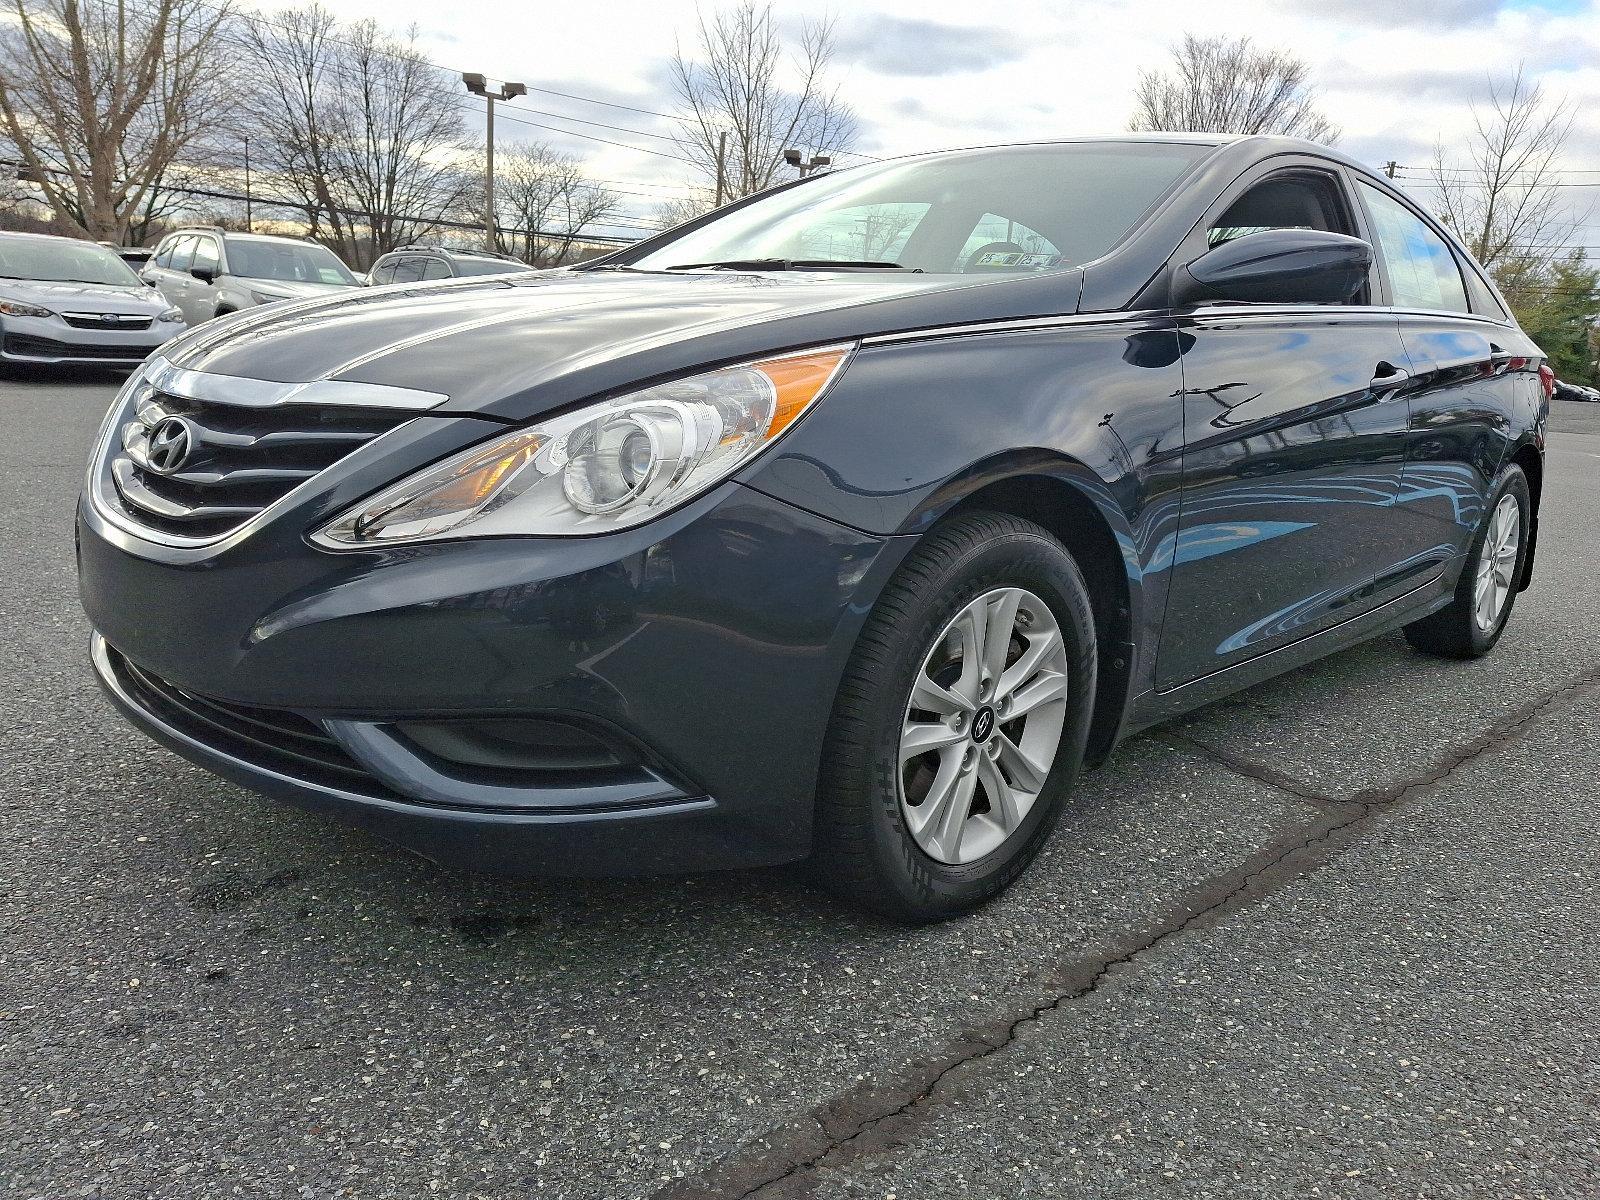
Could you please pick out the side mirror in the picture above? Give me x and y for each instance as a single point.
(1276, 266)
(204, 274)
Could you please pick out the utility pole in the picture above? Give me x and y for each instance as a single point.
(1389, 168)
(722, 166)
(479, 86)
(249, 219)
(818, 161)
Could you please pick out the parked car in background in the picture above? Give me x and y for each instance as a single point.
(68, 301)
(849, 521)
(413, 264)
(209, 272)
(1576, 391)
(135, 256)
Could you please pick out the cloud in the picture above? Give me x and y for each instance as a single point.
(1437, 14)
(1465, 86)
(912, 46)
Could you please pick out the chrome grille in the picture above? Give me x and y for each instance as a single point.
(106, 320)
(234, 459)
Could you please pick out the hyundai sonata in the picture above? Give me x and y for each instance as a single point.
(849, 522)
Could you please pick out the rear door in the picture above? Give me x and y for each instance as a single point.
(176, 278)
(1295, 425)
(1473, 369)
(201, 296)
(158, 270)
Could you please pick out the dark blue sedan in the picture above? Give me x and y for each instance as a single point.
(849, 522)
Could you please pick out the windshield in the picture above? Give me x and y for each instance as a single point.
(1011, 210)
(49, 260)
(287, 262)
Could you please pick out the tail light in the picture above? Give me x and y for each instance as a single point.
(1547, 380)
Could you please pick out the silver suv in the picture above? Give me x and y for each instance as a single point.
(413, 264)
(208, 272)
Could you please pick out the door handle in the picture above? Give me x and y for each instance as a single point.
(1386, 376)
(1498, 355)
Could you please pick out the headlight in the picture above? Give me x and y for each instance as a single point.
(171, 314)
(603, 467)
(269, 297)
(16, 308)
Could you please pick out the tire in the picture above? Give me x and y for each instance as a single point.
(870, 807)
(1458, 630)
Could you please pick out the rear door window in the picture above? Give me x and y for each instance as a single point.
(408, 270)
(435, 268)
(1422, 270)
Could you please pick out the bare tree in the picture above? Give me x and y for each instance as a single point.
(684, 208)
(100, 98)
(1230, 85)
(734, 87)
(1502, 200)
(544, 204)
(361, 130)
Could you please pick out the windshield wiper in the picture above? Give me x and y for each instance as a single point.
(794, 264)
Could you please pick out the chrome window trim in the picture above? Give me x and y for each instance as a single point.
(1207, 311)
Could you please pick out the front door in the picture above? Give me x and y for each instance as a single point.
(1295, 423)
(1293, 452)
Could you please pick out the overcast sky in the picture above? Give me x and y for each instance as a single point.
(1395, 74)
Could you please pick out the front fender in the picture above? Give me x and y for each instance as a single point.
(916, 427)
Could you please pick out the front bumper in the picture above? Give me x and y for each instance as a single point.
(50, 341)
(713, 639)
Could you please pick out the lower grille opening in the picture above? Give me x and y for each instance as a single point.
(520, 751)
(40, 347)
(274, 738)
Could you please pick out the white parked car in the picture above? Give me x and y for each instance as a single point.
(65, 301)
(209, 272)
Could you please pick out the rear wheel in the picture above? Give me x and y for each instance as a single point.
(1476, 616)
(961, 722)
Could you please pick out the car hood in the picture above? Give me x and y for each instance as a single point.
(85, 297)
(512, 347)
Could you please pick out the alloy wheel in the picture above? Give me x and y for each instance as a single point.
(983, 725)
(1497, 564)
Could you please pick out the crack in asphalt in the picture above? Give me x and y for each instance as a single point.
(882, 1114)
(1240, 765)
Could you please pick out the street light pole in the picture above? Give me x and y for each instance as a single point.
(249, 217)
(817, 163)
(479, 86)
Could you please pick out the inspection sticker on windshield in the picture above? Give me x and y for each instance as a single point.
(1011, 258)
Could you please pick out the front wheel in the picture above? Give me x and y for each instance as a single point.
(961, 722)
(1476, 616)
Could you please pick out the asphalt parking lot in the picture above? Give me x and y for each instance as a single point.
(1335, 937)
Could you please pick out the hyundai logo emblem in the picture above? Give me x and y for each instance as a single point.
(168, 445)
(983, 725)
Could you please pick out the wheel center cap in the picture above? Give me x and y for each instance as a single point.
(983, 725)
